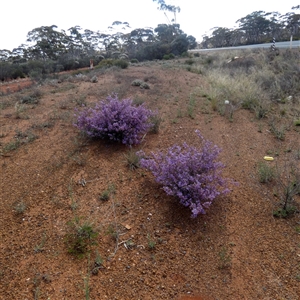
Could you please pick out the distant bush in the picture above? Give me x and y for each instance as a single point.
(107, 63)
(123, 64)
(189, 61)
(141, 84)
(190, 174)
(117, 120)
(168, 56)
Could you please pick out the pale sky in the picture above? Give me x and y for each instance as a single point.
(18, 17)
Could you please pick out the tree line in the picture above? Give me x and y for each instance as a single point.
(255, 28)
(51, 50)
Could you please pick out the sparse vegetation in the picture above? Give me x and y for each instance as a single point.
(287, 188)
(80, 236)
(141, 233)
(266, 172)
(20, 207)
(225, 258)
(132, 159)
(151, 242)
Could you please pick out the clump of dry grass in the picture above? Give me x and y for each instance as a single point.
(253, 80)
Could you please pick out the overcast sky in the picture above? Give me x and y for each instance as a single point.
(18, 17)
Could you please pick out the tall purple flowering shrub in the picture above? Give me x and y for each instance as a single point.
(192, 175)
(114, 119)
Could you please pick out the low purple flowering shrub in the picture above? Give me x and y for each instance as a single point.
(114, 119)
(192, 175)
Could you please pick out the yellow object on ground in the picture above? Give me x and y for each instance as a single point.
(268, 158)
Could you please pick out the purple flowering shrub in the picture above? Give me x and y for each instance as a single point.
(114, 119)
(192, 175)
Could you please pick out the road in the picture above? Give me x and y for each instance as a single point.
(288, 44)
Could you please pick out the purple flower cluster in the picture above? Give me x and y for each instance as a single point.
(117, 120)
(190, 174)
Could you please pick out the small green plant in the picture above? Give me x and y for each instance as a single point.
(132, 159)
(20, 138)
(40, 246)
(266, 172)
(13, 145)
(33, 98)
(191, 107)
(129, 244)
(297, 154)
(284, 212)
(287, 187)
(74, 204)
(156, 122)
(151, 242)
(81, 100)
(105, 195)
(20, 207)
(98, 264)
(277, 130)
(225, 259)
(138, 101)
(113, 231)
(80, 236)
(86, 282)
(36, 288)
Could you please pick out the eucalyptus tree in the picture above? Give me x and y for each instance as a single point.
(163, 6)
(221, 37)
(275, 25)
(291, 21)
(48, 43)
(166, 33)
(255, 26)
(4, 55)
(76, 44)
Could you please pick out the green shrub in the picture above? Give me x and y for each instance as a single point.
(136, 82)
(123, 64)
(168, 56)
(141, 84)
(189, 61)
(132, 159)
(108, 63)
(80, 236)
(266, 172)
(105, 63)
(155, 121)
